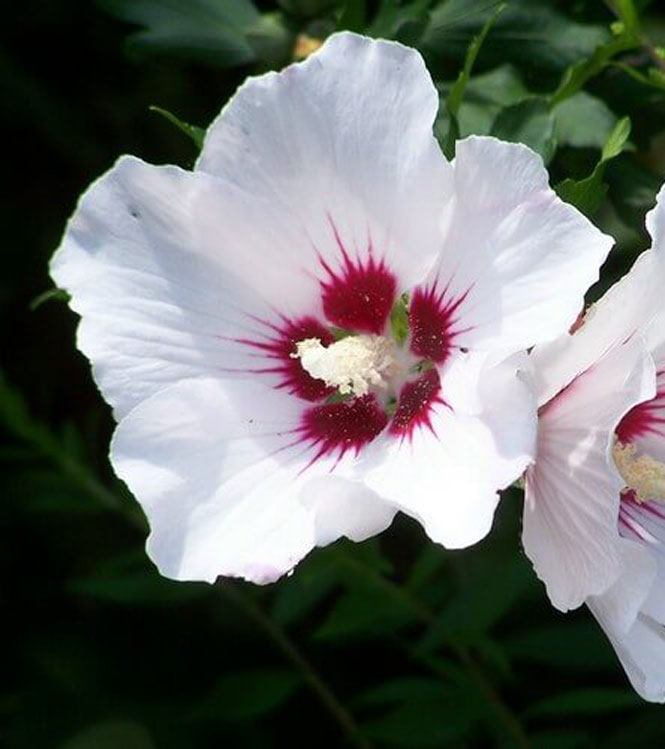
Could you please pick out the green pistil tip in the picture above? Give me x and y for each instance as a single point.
(399, 319)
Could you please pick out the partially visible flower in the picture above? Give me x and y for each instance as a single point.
(312, 329)
(594, 520)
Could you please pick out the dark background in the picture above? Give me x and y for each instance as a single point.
(393, 642)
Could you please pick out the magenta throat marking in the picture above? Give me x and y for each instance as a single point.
(414, 407)
(360, 295)
(645, 418)
(432, 323)
(337, 428)
(281, 345)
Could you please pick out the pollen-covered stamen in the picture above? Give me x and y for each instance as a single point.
(352, 365)
(644, 475)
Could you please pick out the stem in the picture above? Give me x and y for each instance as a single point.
(511, 724)
(327, 697)
(656, 59)
(508, 718)
(647, 45)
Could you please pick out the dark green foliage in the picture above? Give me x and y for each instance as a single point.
(220, 32)
(588, 194)
(531, 122)
(393, 642)
(192, 131)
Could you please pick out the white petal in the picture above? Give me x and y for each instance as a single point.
(146, 260)
(655, 222)
(345, 508)
(619, 606)
(519, 257)
(655, 336)
(572, 491)
(642, 654)
(345, 135)
(624, 309)
(481, 442)
(222, 480)
(637, 634)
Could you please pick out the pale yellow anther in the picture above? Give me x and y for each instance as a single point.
(305, 45)
(351, 365)
(644, 475)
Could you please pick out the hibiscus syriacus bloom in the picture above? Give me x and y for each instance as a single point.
(594, 522)
(311, 330)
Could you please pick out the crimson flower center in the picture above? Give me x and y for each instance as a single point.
(372, 368)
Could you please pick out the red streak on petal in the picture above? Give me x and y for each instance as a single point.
(335, 428)
(645, 418)
(281, 345)
(414, 407)
(432, 323)
(579, 321)
(360, 295)
(627, 523)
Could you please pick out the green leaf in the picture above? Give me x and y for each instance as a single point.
(197, 134)
(307, 8)
(617, 140)
(226, 33)
(362, 614)
(570, 645)
(427, 565)
(588, 194)
(560, 740)
(531, 34)
(129, 579)
(456, 95)
(486, 95)
(530, 122)
(405, 22)
(297, 595)
(644, 729)
(247, 694)
(632, 189)
(353, 16)
(583, 121)
(45, 490)
(576, 76)
(111, 735)
(476, 608)
(421, 712)
(584, 702)
(366, 555)
(56, 295)
(15, 417)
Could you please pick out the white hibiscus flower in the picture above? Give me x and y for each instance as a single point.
(212, 303)
(594, 521)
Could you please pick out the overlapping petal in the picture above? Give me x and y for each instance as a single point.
(632, 616)
(517, 257)
(627, 307)
(572, 491)
(632, 611)
(227, 485)
(479, 437)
